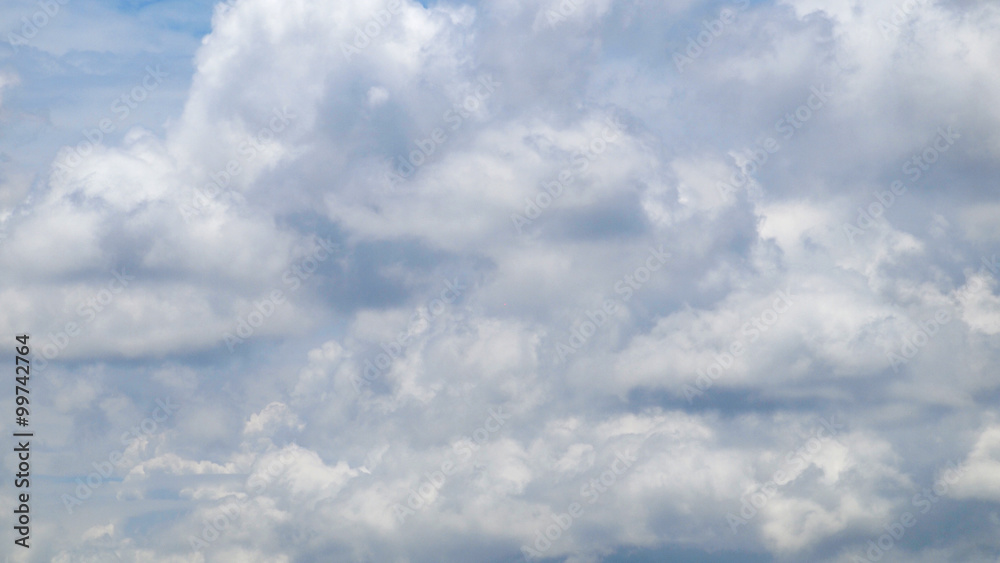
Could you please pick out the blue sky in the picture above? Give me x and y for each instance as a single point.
(575, 281)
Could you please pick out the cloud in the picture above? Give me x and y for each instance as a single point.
(496, 279)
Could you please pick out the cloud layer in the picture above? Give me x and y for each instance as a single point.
(501, 280)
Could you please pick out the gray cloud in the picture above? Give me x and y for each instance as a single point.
(694, 288)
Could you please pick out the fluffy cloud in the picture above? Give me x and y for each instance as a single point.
(503, 279)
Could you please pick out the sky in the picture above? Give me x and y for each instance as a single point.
(572, 281)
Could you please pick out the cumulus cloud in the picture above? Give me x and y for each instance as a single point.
(502, 280)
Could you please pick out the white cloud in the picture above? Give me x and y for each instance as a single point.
(320, 408)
